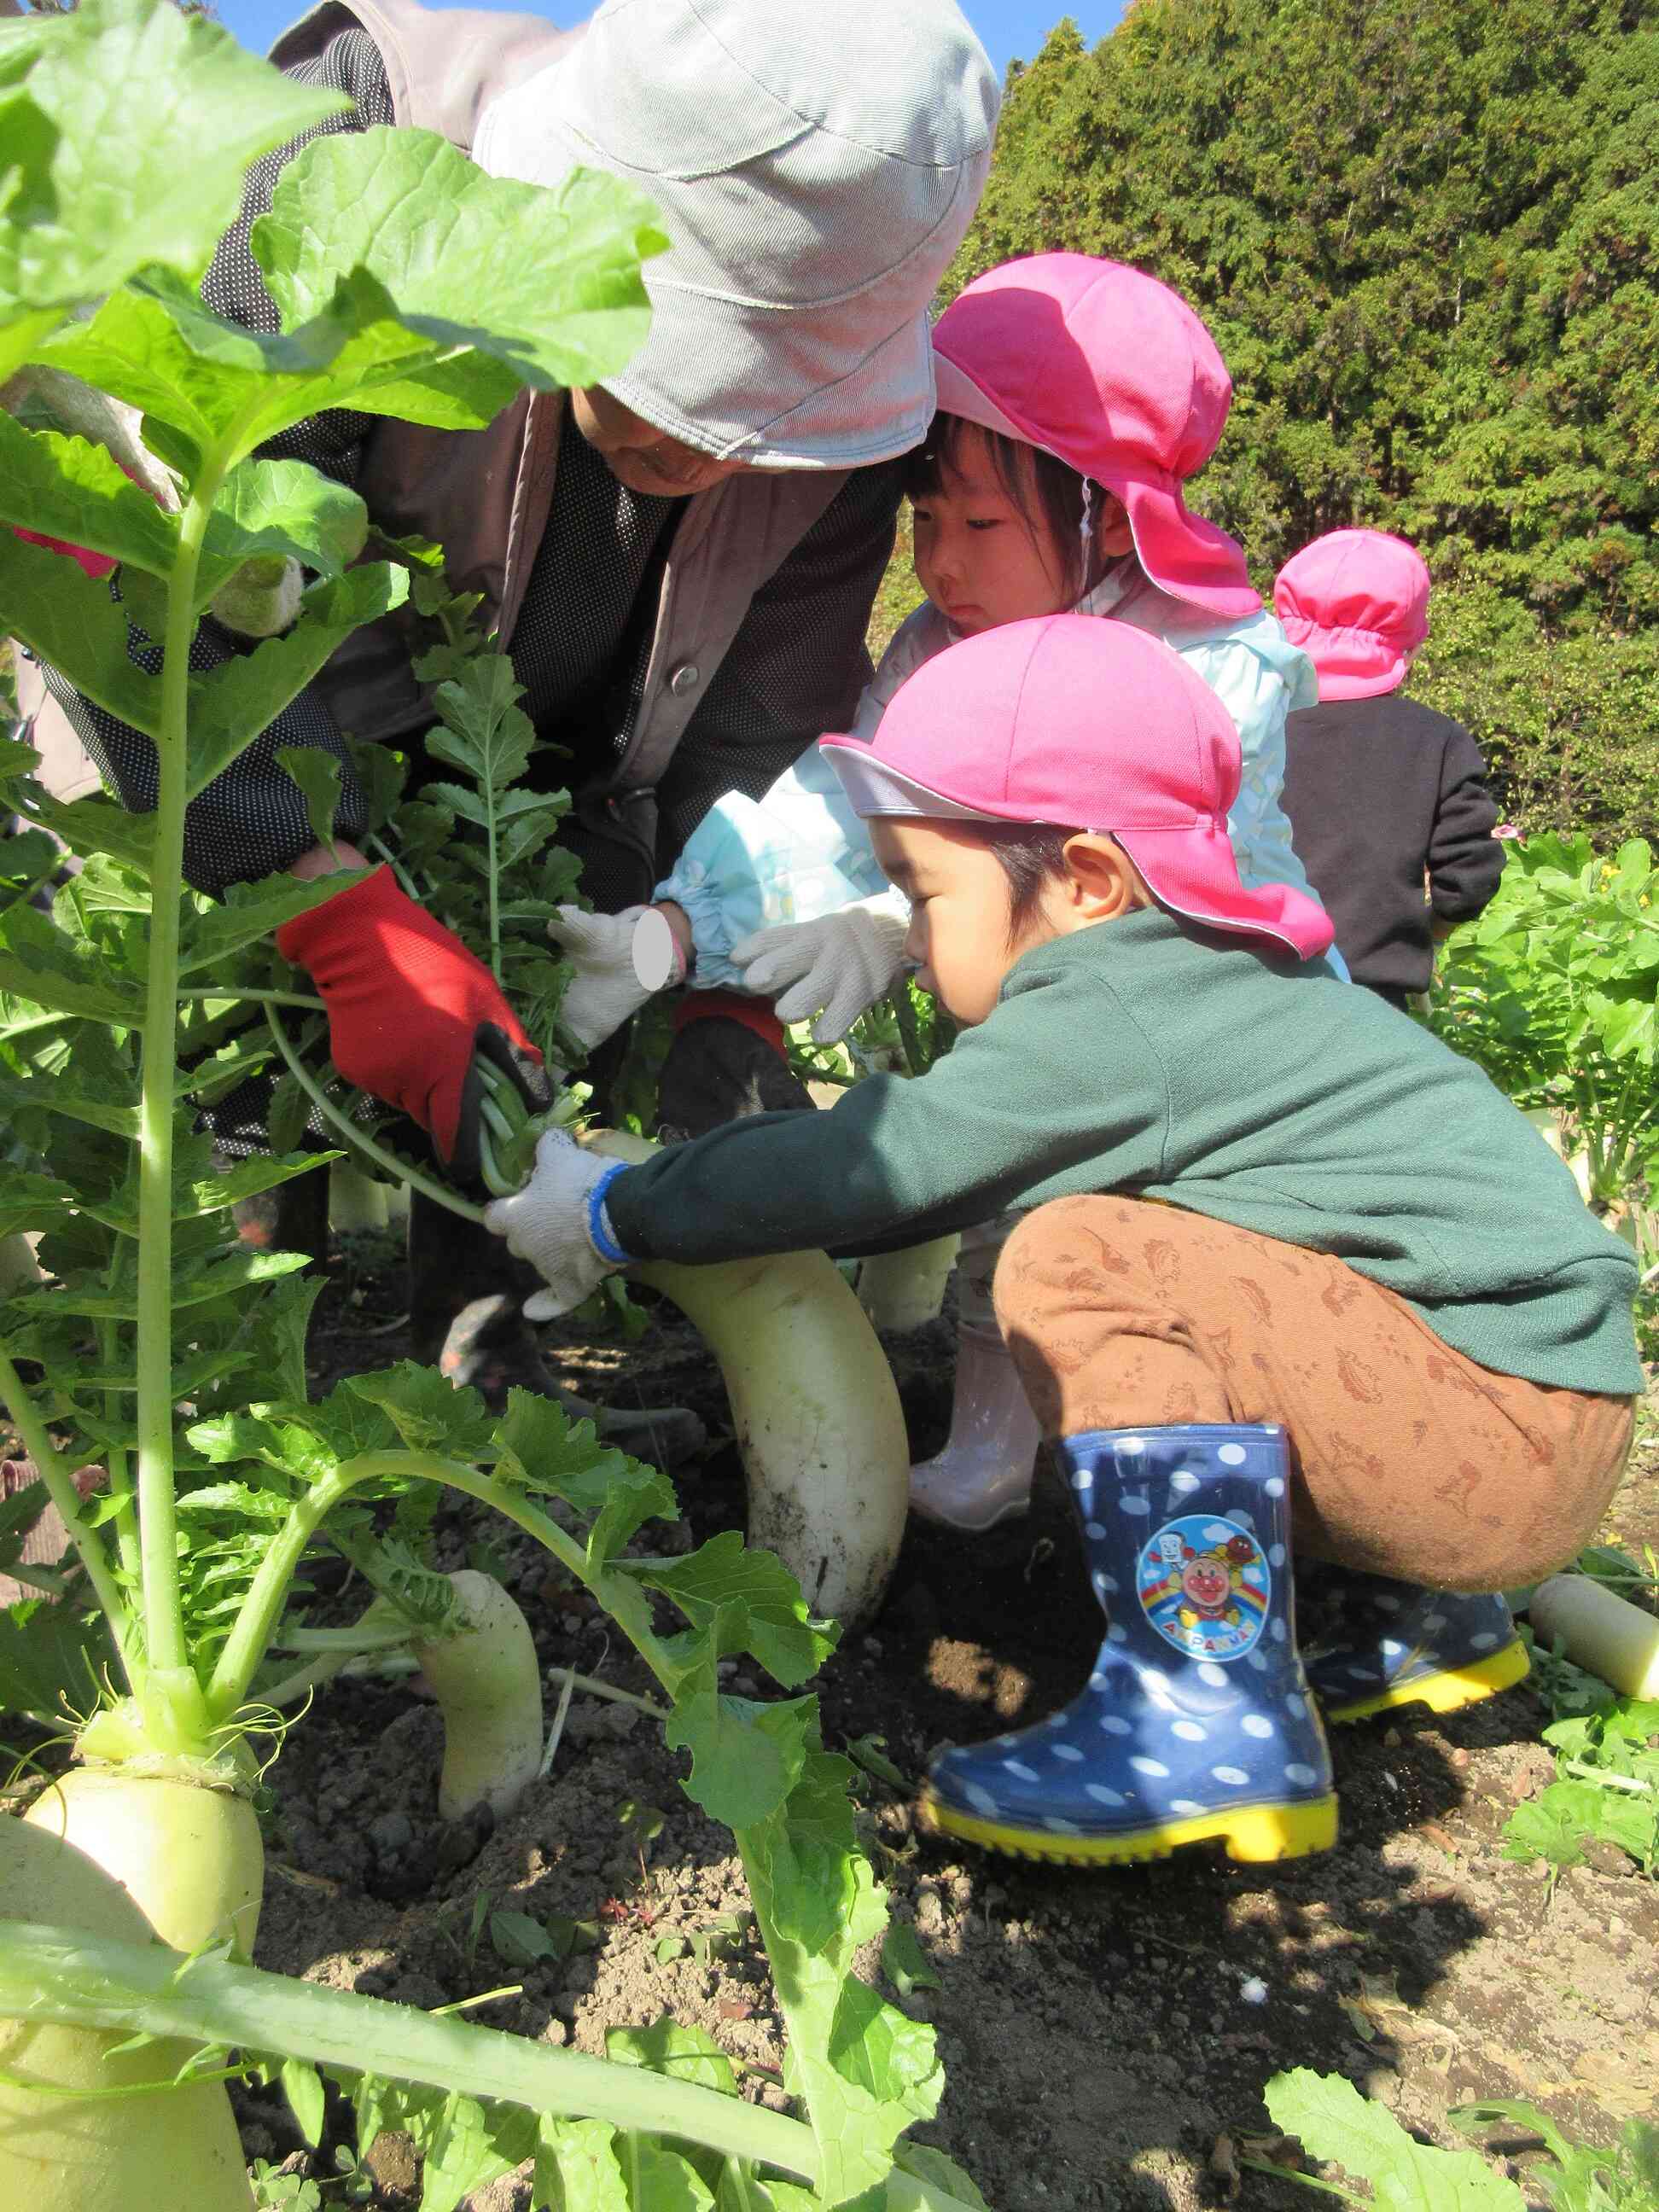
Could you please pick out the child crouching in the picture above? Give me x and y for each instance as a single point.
(1297, 1276)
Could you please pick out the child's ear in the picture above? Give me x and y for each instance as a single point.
(1102, 881)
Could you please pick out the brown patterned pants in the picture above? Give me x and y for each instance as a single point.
(1409, 1459)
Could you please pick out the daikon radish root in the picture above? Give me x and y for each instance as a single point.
(80, 2152)
(816, 1409)
(905, 1290)
(189, 1856)
(1599, 1631)
(355, 1201)
(488, 1683)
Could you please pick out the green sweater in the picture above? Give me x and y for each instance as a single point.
(1145, 1056)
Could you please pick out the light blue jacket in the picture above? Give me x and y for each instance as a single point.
(801, 852)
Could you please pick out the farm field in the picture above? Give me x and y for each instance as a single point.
(1105, 2038)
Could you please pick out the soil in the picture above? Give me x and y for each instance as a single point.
(1105, 2037)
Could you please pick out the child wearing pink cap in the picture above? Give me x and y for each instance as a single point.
(1075, 398)
(1296, 1274)
(1386, 797)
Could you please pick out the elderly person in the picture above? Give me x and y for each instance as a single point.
(682, 562)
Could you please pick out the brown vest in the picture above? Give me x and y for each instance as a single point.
(485, 495)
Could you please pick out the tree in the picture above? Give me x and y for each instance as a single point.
(1425, 234)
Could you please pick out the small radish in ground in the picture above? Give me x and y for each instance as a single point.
(488, 1686)
(1599, 1631)
(905, 1290)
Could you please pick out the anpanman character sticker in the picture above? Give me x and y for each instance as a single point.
(1203, 1584)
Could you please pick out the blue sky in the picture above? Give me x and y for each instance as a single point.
(1012, 29)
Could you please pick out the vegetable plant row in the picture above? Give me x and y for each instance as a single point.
(160, 1349)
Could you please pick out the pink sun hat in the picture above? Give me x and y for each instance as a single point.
(1085, 724)
(1111, 371)
(1357, 602)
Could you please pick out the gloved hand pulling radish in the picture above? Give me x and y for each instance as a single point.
(558, 1223)
(416, 1020)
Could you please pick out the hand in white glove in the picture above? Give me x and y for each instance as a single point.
(557, 1222)
(621, 960)
(841, 962)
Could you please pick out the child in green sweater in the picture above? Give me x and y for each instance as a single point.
(1295, 1275)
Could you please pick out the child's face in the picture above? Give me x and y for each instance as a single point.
(960, 903)
(977, 556)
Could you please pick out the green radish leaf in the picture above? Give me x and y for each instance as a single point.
(128, 132)
(668, 1948)
(549, 1452)
(195, 1195)
(222, 1277)
(929, 2164)
(279, 508)
(753, 2195)
(864, 2072)
(545, 283)
(95, 825)
(668, 2181)
(289, 1115)
(241, 1498)
(29, 859)
(318, 774)
(458, 800)
(427, 1411)
(302, 2087)
(278, 1332)
(253, 912)
(382, 774)
(52, 1657)
(685, 2054)
(71, 489)
(748, 1600)
(870, 1752)
(75, 626)
(287, 1448)
(465, 2146)
(206, 379)
(1332, 2120)
(41, 964)
(904, 1962)
(230, 705)
(32, 1202)
(576, 2167)
(745, 1757)
(485, 734)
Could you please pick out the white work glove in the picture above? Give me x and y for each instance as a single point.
(841, 962)
(558, 1223)
(621, 960)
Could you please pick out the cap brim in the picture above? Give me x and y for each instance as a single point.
(874, 790)
(959, 395)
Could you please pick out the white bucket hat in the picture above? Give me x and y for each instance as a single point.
(815, 168)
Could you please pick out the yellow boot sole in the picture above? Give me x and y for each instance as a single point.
(1253, 1834)
(1447, 1692)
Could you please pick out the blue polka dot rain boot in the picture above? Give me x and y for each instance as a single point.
(1196, 1725)
(1379, 1645)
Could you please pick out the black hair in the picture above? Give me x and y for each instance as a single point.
(1031, 855)
(1047, 494)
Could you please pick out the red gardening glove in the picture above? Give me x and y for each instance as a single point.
(97, 565)
(410, 1012)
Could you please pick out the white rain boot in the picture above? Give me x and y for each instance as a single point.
(984, 1474)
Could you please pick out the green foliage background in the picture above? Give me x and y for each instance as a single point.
(1425, 234)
